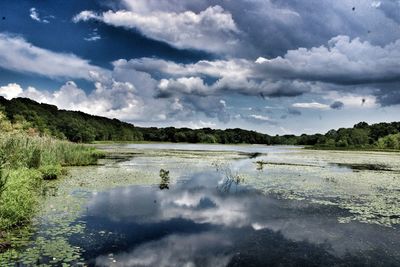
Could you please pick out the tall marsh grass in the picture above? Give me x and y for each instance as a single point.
(24, 162)
(20, 150)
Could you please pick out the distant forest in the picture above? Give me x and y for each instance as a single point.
(81, 127)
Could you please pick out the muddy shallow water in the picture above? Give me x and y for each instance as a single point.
(217, 205)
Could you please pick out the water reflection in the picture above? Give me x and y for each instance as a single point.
(230, 178)
(197, 224)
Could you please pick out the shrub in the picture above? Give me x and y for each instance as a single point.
(20, 197)
(391, 141)
(51, 172)
(25, 161)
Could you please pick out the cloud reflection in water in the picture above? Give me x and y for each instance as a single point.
(194, 224)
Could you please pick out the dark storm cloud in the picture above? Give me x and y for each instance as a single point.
(390, 8)
(294, 112)
(337, 105)
(210, 106)
(388, 94)
(342, 61)
(354, 50)
(270, 28)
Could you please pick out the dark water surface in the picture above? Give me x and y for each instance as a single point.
(221, 206)
(206, 220)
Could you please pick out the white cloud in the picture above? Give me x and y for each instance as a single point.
(217, 68)
(19, 55)
(122, 100)
(93, 36)
(259, 117)
(85, 15)
(11, 90)
(376, 4)
(190, 85)
(342, 61)
(196, 124)
(174, 251)
(212, 29)
(35, 16)
(233, 75)
(113, 100)
(272, 27)
(351, 100)
(311, 105)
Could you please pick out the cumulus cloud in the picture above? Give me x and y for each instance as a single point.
(211, 106)
(342, 61)
(234, 75)
(190, 85)
(212, 29)
(272, 27)
(217, 68)
(124, 101)
(11, 90)
(349, 65)
(343, 64)
(300, 72)
(19, 55)
(114, 100)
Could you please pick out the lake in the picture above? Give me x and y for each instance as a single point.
(219, 205)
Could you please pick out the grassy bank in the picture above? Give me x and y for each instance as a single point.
(25, 161)
(361, 149)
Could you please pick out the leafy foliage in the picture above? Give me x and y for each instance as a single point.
(71, 125)
(362, 135)
(25, 160)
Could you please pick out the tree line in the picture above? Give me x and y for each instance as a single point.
(81, 127)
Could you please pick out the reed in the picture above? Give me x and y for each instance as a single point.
(25, 161)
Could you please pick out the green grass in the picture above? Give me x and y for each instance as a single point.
(25, 161)
(20, 197)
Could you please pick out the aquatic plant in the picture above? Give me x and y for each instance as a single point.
(51, 172)
(260, 165)
(230, 177)
(164, 175)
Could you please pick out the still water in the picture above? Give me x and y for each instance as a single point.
(213, 205)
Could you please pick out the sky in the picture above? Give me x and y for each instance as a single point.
(277, 67)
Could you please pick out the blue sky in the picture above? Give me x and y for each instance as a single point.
(273, 66)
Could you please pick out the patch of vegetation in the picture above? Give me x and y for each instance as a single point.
(365, 166)
(391, 141)
(383, 136)
(367, 188)
(165, 180)
(20, 197)
(51, 172)
(26, 159)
